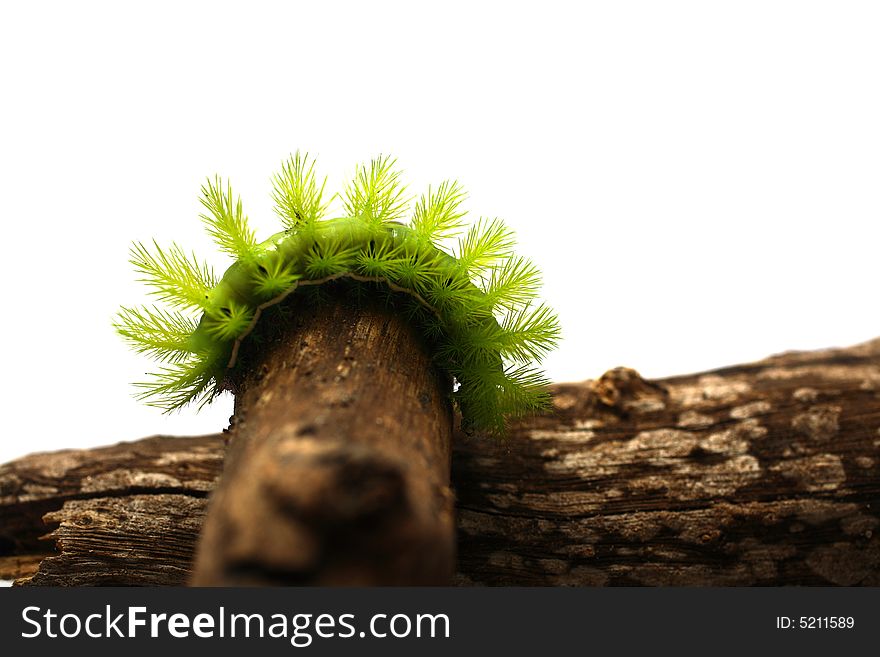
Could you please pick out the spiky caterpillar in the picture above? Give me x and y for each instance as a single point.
(479, 305)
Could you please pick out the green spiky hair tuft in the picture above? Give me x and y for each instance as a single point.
(479, 299)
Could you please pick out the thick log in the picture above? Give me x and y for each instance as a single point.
(338, 466)
(767, 473)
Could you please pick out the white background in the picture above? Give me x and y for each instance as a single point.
(697, 180)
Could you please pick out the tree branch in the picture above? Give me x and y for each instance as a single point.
(338, 467)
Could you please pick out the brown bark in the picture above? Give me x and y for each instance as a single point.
(762, 474)
(767, 473)
(127, 513)
(338, 465)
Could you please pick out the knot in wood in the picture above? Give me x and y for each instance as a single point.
(623, 389)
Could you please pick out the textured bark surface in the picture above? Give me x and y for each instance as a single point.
(767, 473)
(762, 474)
(127, 513)
(338, 464)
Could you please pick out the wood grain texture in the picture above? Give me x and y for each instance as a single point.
(765, 473)
(99, 548)
(338, 466)
(110, 509)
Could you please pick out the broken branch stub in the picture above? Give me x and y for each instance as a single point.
(338, 465)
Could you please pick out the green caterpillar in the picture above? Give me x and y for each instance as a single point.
(478, 306)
